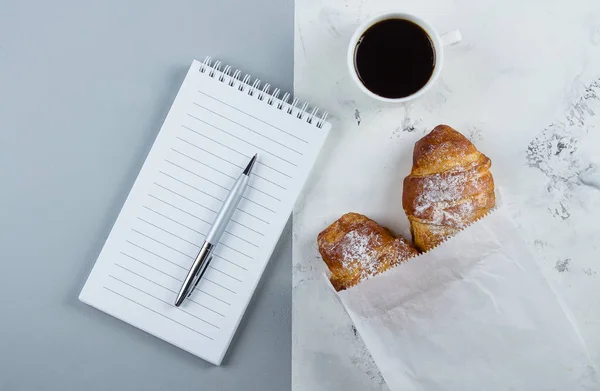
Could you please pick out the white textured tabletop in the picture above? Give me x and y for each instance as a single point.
(523, 85)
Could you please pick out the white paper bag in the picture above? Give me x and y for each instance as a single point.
(475, 313)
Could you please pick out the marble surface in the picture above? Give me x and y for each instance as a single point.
(523, 85)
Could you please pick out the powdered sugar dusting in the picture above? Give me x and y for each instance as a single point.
(360, 250)
(440, 187)
(440, 193)
(460, 215)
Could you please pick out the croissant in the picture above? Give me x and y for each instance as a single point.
(449, 187)
(355, 248)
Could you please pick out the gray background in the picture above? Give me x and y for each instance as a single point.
(84, 88)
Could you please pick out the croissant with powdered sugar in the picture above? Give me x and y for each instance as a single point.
(450, 186)
(355, 248)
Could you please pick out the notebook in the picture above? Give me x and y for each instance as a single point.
(219, 119)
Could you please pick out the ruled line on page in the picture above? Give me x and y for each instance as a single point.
(196, 174)
(216, 255)
(202, 163)
(170, 290)
(263, 192)
(224, 273)
(213, 140)
(171, 304)
(195, 244)
(236, 250)
(160, 285)
(247, 142)
(168, 232)
(173, 277)
(190, 186)
(245, 226)
(201, 219)
(232, 149)
(250, 129)
(255, 216)
(250, 115)
(209, 152)
(156, 312)
(214, 297)
(194, 230)
(228, 261)
(221, 172)
(227, 175)
(260, 163)
(139, 275)
(166, 245)
(206, 207)
(217, 284)
(210, 195)
(173, 220)
(230, 162)
(259, 204)
(186, 198)
(153, 253)
(240, 238)
(175, 264)
(151, 267)
(179, 209)
(218, 184)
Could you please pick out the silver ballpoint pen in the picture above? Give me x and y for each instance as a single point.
(214, 234)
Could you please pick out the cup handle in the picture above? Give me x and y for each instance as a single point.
(451, 38)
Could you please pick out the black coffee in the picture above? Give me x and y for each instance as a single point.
(394, 58)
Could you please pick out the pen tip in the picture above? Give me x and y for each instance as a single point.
(249, 166)
(179, 300)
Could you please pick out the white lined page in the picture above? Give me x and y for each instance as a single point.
(208, 137)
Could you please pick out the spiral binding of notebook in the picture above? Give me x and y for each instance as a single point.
(245, 84)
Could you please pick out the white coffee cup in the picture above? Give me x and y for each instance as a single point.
(438, 42)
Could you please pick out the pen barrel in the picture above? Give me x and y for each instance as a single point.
(227, 209)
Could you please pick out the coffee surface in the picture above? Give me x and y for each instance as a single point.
(394, 58)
